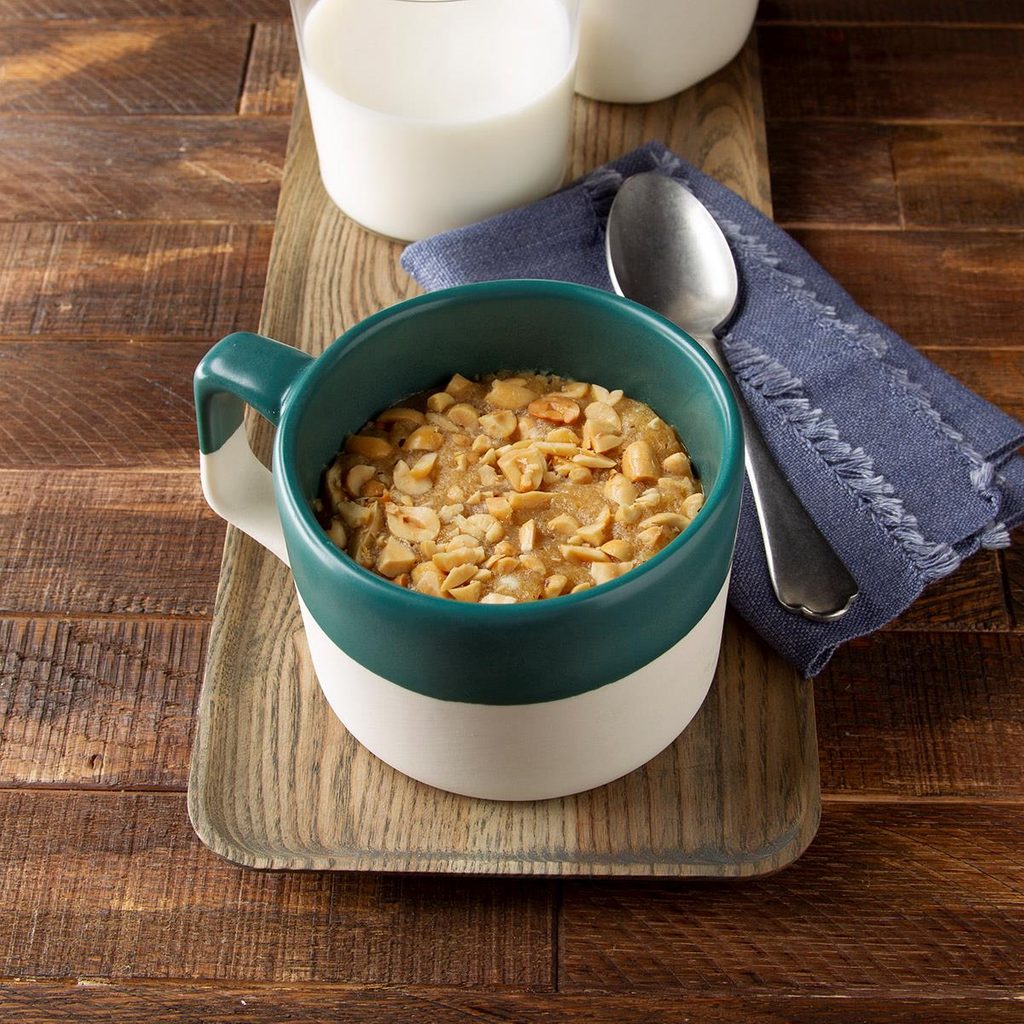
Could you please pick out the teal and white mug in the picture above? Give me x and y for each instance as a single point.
(511, 702)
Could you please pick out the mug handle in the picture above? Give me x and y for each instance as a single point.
(242, 369)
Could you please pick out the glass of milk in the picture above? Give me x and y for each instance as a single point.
(431, 114)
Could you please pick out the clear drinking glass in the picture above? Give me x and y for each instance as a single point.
(431, 114)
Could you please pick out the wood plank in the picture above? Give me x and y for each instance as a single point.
(939, 175)
(969, 599)
(128, 280)
(114, 542)
(960, 175)
(98, 703)
(225, 169)
(924, 714)
(859, 11)
(1013, 566)
(83, 10)
(272, 77)
(117, 886)
(832, 173)
(891, 900)
(41, 1002)
(102, 404)
(936, 288)
(893, 72)
(996, 374)
(140, 67)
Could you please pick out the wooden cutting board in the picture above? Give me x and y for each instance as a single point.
(277, 782)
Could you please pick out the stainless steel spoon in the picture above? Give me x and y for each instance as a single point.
(665, 251)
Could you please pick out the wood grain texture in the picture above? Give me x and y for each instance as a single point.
(890, 900)
(832, 173)
(868, 174)
(130, 280)
(167, 168)
(735, 795)
(103, 703)
(923, 714)
(272, 75)
(860, 11)
(116, 10)
(996, 374)
(937, 288)
(140, 67)
(893, 72)
(40, 1002)
(1013, 566)
(117, 886)
(971, 598)
(101, 404)
(120, 542)
(961, 175)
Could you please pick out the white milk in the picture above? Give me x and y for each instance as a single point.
(636, 51)
(431, 115)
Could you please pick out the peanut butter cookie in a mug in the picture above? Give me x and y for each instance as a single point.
(570, 681)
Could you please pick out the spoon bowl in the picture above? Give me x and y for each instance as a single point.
(666, 252)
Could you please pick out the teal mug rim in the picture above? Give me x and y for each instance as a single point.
(311, 532)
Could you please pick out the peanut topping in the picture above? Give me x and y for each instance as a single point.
(677, 464)
(582, 553)
(603, 417)
(395, 558)
(424, 439)
(509, 489)
(555, 585)
(401, 413)
(638, 462)
(499, 425)
(372, 447)
(605, 571)
(336, 531)
(505, 394)
(556, 408)
(524, 469)
(413, 523)
(458, 575)
(440, 401)
(463, 415)
(358, 477)
(408, 482)
(459, 386)
(528, 535)
(470, 592)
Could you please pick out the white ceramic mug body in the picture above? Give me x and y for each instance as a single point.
(638, 51)
(523, 751)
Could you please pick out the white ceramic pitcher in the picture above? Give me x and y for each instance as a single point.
(637, 51)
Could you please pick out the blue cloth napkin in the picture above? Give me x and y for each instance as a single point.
(904, 470)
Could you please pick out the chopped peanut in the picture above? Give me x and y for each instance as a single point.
(638, 462)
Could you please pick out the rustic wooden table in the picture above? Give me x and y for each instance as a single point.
(141, 147)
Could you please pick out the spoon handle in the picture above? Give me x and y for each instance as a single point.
(807, 575)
